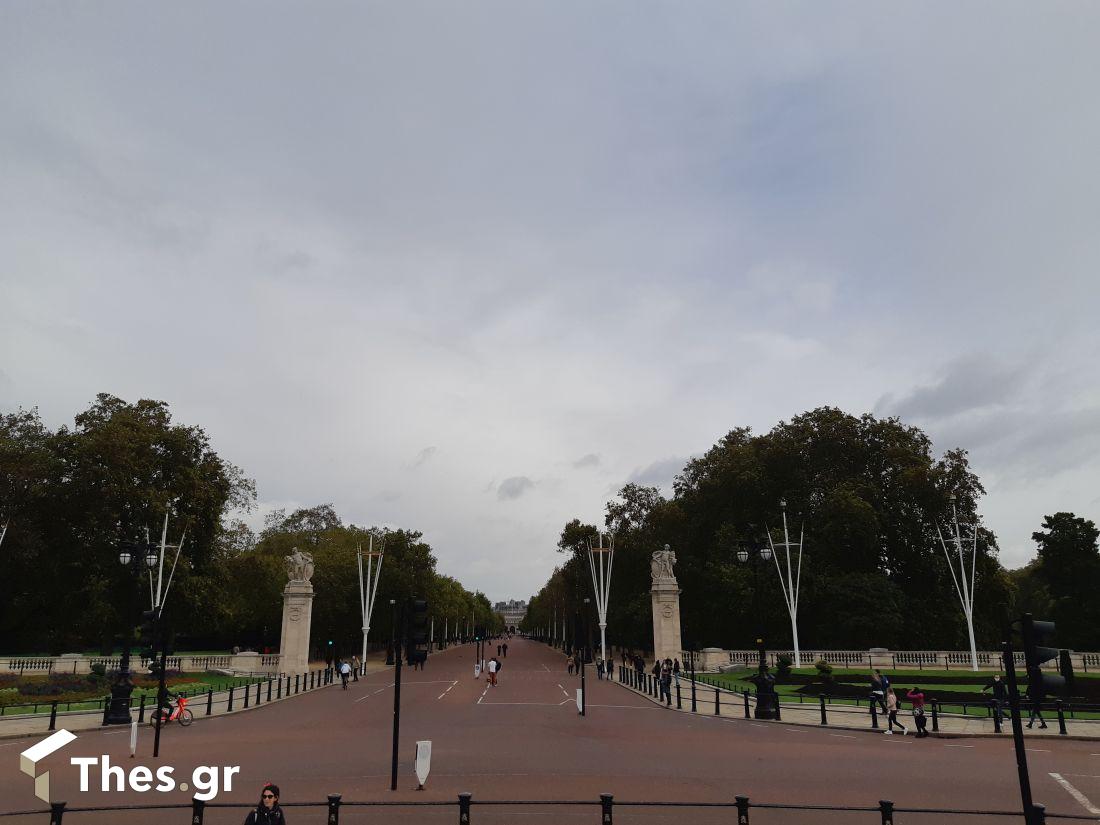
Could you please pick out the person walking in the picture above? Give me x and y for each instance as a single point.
(267, 812)
(570, 666)
(676, 672)
(356, 666)
(892, 713)
(879, 684)
(666, 683)
(505, 647)
(1035, 711)
(345, 672)
(1000, 695)
(493, 667)
(917, 698)
(610, 665)
(599, 669)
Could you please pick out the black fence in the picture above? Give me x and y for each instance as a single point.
(885, 812)
(231, 696)
(702, 697)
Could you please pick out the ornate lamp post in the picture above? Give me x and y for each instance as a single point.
(766, 698)
(137, 557)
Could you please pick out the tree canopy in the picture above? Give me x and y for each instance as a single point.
(870, 494)
(70, 497)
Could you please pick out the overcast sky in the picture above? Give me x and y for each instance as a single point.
(470, 267)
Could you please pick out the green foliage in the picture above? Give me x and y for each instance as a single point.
(870, 494)
(74, 494)
(824, 671)
(783, 664)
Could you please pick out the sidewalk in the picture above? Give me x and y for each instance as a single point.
(731, 705)
(12, 727)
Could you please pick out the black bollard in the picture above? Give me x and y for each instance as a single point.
(464, 809)
(874, 715)
(198, 810)
(1060, 707)
(935, 715)
(209, 701)
(230, 708)
(824, 718)
(886, 809)
(333, 809)
(57, 810)
(605, 808)
(742, 810)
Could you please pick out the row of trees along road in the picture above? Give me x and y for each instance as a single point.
(70, 496)
(871, 493)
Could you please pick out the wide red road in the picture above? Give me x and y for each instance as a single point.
(525, 740)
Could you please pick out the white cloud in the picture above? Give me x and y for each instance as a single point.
(555, 233)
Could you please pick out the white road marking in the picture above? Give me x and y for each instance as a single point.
(843, 736)
(566, 692)
(448, 690)
(795, 730)
(958, 746)
(544, 667)
(483, 694)
(1076, 794)
(1036, 750)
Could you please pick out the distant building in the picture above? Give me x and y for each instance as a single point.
(513, 611)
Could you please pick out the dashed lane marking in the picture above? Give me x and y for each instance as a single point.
(843, 736)
(1036, 750)
(1082, 800)
(448, 690)
(483, 694)
(958, 746)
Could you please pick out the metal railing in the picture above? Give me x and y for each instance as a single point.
(707, 695)
(604, 808)
(230, 696)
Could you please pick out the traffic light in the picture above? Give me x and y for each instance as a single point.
(1038, 683)
(147, 635)
(416, 635)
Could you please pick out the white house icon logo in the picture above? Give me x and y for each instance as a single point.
(33, 755)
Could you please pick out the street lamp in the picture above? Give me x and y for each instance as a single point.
(137, 557)
(584, 655)
(766, 699)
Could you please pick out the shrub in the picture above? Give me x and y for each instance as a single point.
(824, 671)
(99, 669)
(783, 664)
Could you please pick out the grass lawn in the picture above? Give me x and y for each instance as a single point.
(901, 680)
(192, 684)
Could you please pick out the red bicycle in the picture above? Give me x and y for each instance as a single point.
(177, 712)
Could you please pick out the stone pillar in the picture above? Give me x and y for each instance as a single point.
(297, 614)
(665, 594)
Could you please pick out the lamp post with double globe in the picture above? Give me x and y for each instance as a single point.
(136, 557)
(757, 551)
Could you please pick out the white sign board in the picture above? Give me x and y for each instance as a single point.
(477, 671)
(579, 700)
(423, 761)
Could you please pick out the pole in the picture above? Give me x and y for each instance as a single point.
(396, 701)
(1018, 731)
(161, 692)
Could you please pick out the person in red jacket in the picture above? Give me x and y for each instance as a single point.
(917, 698)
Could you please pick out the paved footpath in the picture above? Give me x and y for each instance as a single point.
(732, 704)
(525, 740)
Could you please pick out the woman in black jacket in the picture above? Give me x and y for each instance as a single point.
(267, 811)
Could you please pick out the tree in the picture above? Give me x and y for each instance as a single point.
(1068, 571)
(870, 493)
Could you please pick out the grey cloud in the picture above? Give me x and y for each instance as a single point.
(659, 473)
(424, 456)
(590, 460)
(514, 487)
(965, 384)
